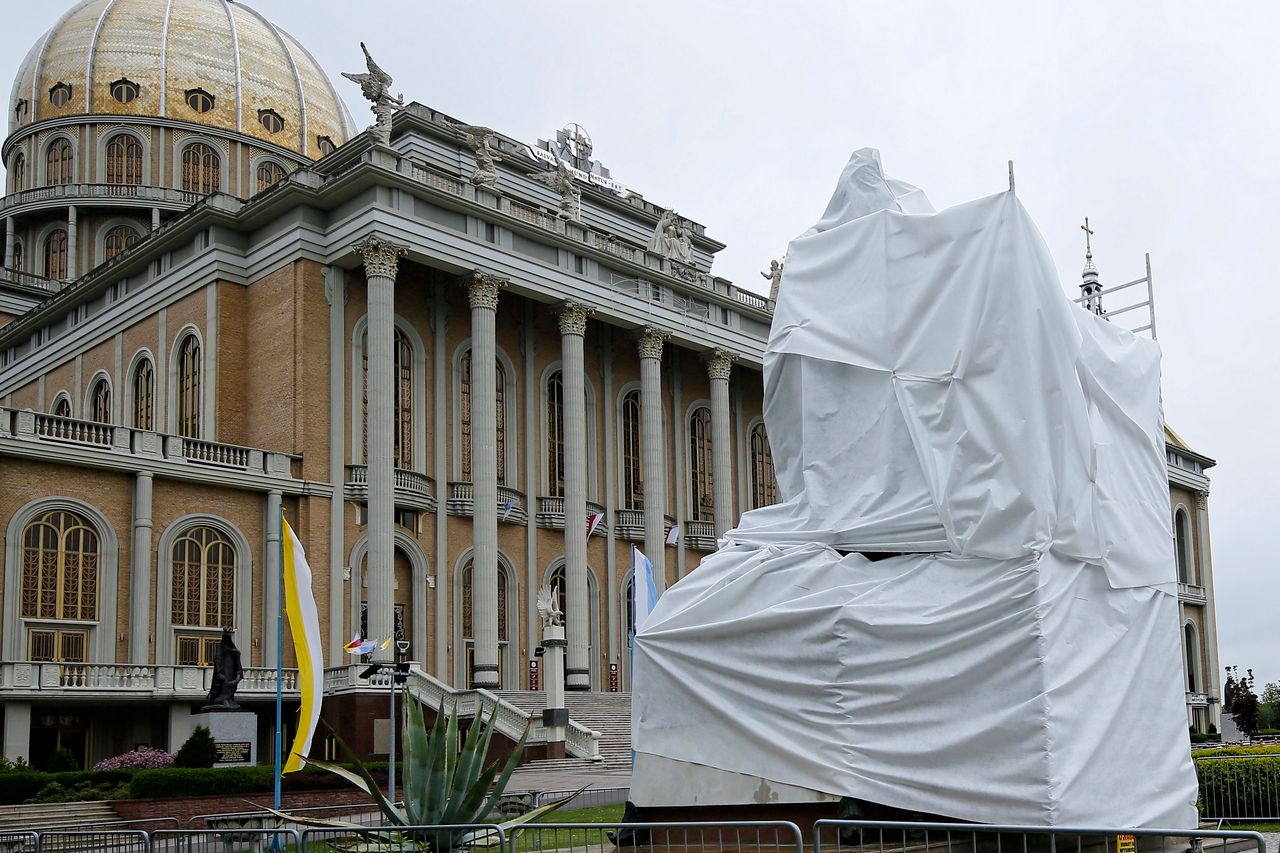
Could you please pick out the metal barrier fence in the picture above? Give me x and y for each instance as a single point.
(362, 813)
(589, 798)
(757, 836)
(440, 839)
(94, 840)
(19, 842)
(833, 836)
(224, 840)
(1239, 787)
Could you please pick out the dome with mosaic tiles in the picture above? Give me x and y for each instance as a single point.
(216, 63)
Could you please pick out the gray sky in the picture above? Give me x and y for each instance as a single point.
(1160, 121)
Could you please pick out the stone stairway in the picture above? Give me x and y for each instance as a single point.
(607, 713)
(56, 816)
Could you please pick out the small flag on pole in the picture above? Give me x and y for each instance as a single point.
(507, 507)
(644, 590)
(304, 625)
(673, 534)
(593, 521)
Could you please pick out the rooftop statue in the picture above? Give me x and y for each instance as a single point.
(671, 238)
(562, 181)
(227, 674)
(775, 278)
(376, 87)
(478, 138)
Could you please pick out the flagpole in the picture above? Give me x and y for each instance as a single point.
(279, 666)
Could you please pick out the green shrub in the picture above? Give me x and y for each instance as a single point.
(18, 787)
(197, 781)
(199, 750)
(1264, 749)
(62, 761)
(1238, 786)
(85, 791)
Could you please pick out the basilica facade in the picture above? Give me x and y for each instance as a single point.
(464, 366)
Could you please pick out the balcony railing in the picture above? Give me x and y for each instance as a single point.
(413, 488)
(630, 524)
(511, 503)
(700, 535)
(132, 681)
(72, 430)
(551, 514)
(75, 192)
(1192, 593)
(26, 279)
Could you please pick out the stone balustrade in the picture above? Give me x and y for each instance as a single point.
(124, 681)
(700, 535)
(511, 503)
(1192, 593)
(130, 194)
(413, 489)
(551, 514)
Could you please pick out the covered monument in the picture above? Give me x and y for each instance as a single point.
(965, 605)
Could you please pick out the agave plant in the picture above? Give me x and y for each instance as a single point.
(446, 783)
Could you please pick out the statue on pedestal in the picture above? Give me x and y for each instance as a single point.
(548, 608)
(562, 181)
(671, 238)
(775, 278)
(478, 139)
(227, 674)
(376, 87)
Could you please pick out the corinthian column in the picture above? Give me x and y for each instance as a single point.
(650, 343)
(482, 293)
(719, 366)
(573, 327)
(381, 261)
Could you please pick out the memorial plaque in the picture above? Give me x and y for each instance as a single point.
(234, 752)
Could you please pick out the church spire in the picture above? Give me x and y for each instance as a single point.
(1090, 285)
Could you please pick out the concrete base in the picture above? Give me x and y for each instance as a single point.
(235, 733)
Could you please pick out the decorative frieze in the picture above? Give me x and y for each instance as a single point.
(381, 257)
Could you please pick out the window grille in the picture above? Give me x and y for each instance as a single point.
(60, 559)
(700, 465)
(124, 160)
(204, 574)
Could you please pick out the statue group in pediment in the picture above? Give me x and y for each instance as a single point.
(672, 238)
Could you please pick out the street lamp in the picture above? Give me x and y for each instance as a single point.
(399, 675)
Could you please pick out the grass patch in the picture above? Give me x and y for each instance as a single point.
(591, 814)
(1252, 827)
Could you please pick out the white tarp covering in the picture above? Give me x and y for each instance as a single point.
(931, 392)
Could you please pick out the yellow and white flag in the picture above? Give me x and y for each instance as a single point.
(304, 625)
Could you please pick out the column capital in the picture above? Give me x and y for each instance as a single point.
(573, 318)
(719, 363)
(649, 341)
(381, 257)
(482, 289)
(1202, 500)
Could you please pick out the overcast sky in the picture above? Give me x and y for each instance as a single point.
(1160, 121)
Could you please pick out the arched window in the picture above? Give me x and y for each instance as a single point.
(555, 435)
(402, 387)
(199, 100)
(55, 254)
(764, 484)
(144, 384)
(1182, 547)
(118, 239)
(204, 576)
(189, 388)
(100, 401)
(270, 173)
(271, 120)
(124, 160)
(124, 90)
(1191, 647)
(60, 161)
(632, 472)
(201, 169)
(326, 145)
(60, 95)
(500, 409)
(700, 486)
(60, 559)
(468, 619)
(19, 172)
(17, 255)
(62, 407)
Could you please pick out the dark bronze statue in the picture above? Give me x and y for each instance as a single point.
(227, 673)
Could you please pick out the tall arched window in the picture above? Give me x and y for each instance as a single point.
(19, 172)
(468, 619)
(632, 471)
(555, 434)
(60, 163)
(144, 384)
(100, 401)
(62, 407)
(1191, 647)
(17, 255)
(201, 169)
(117, 240)
(60, 559)
(189, 388)
(1182, 547)
(124, 160)
(55, 254)
(764, 484)
(700, 485)
(500, 408)
(402, 371)
(270, 173)
(204, 576)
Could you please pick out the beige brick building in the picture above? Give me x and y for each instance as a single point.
(216, 301)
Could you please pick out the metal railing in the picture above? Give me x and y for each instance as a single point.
(94, 841)
(758, 836)
(225, 840)
(442, 837)
(900, 837)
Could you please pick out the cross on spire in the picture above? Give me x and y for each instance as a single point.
(1088, 234)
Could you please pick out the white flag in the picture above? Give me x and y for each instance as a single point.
(645, 591)
(673, 534)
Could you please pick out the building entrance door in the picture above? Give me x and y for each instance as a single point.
(51, 732)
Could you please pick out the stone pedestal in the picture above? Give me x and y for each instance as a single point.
(555, 717)
(235, 733)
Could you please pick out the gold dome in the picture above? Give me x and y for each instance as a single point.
(168, 49)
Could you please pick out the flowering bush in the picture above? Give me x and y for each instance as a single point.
(142, 758)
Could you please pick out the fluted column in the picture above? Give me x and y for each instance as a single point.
(8, 242)
(381, 262)
(140, 577)
(73, 251)
(482, 294)
(719, 366)
(573, 328)
(649, 343)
